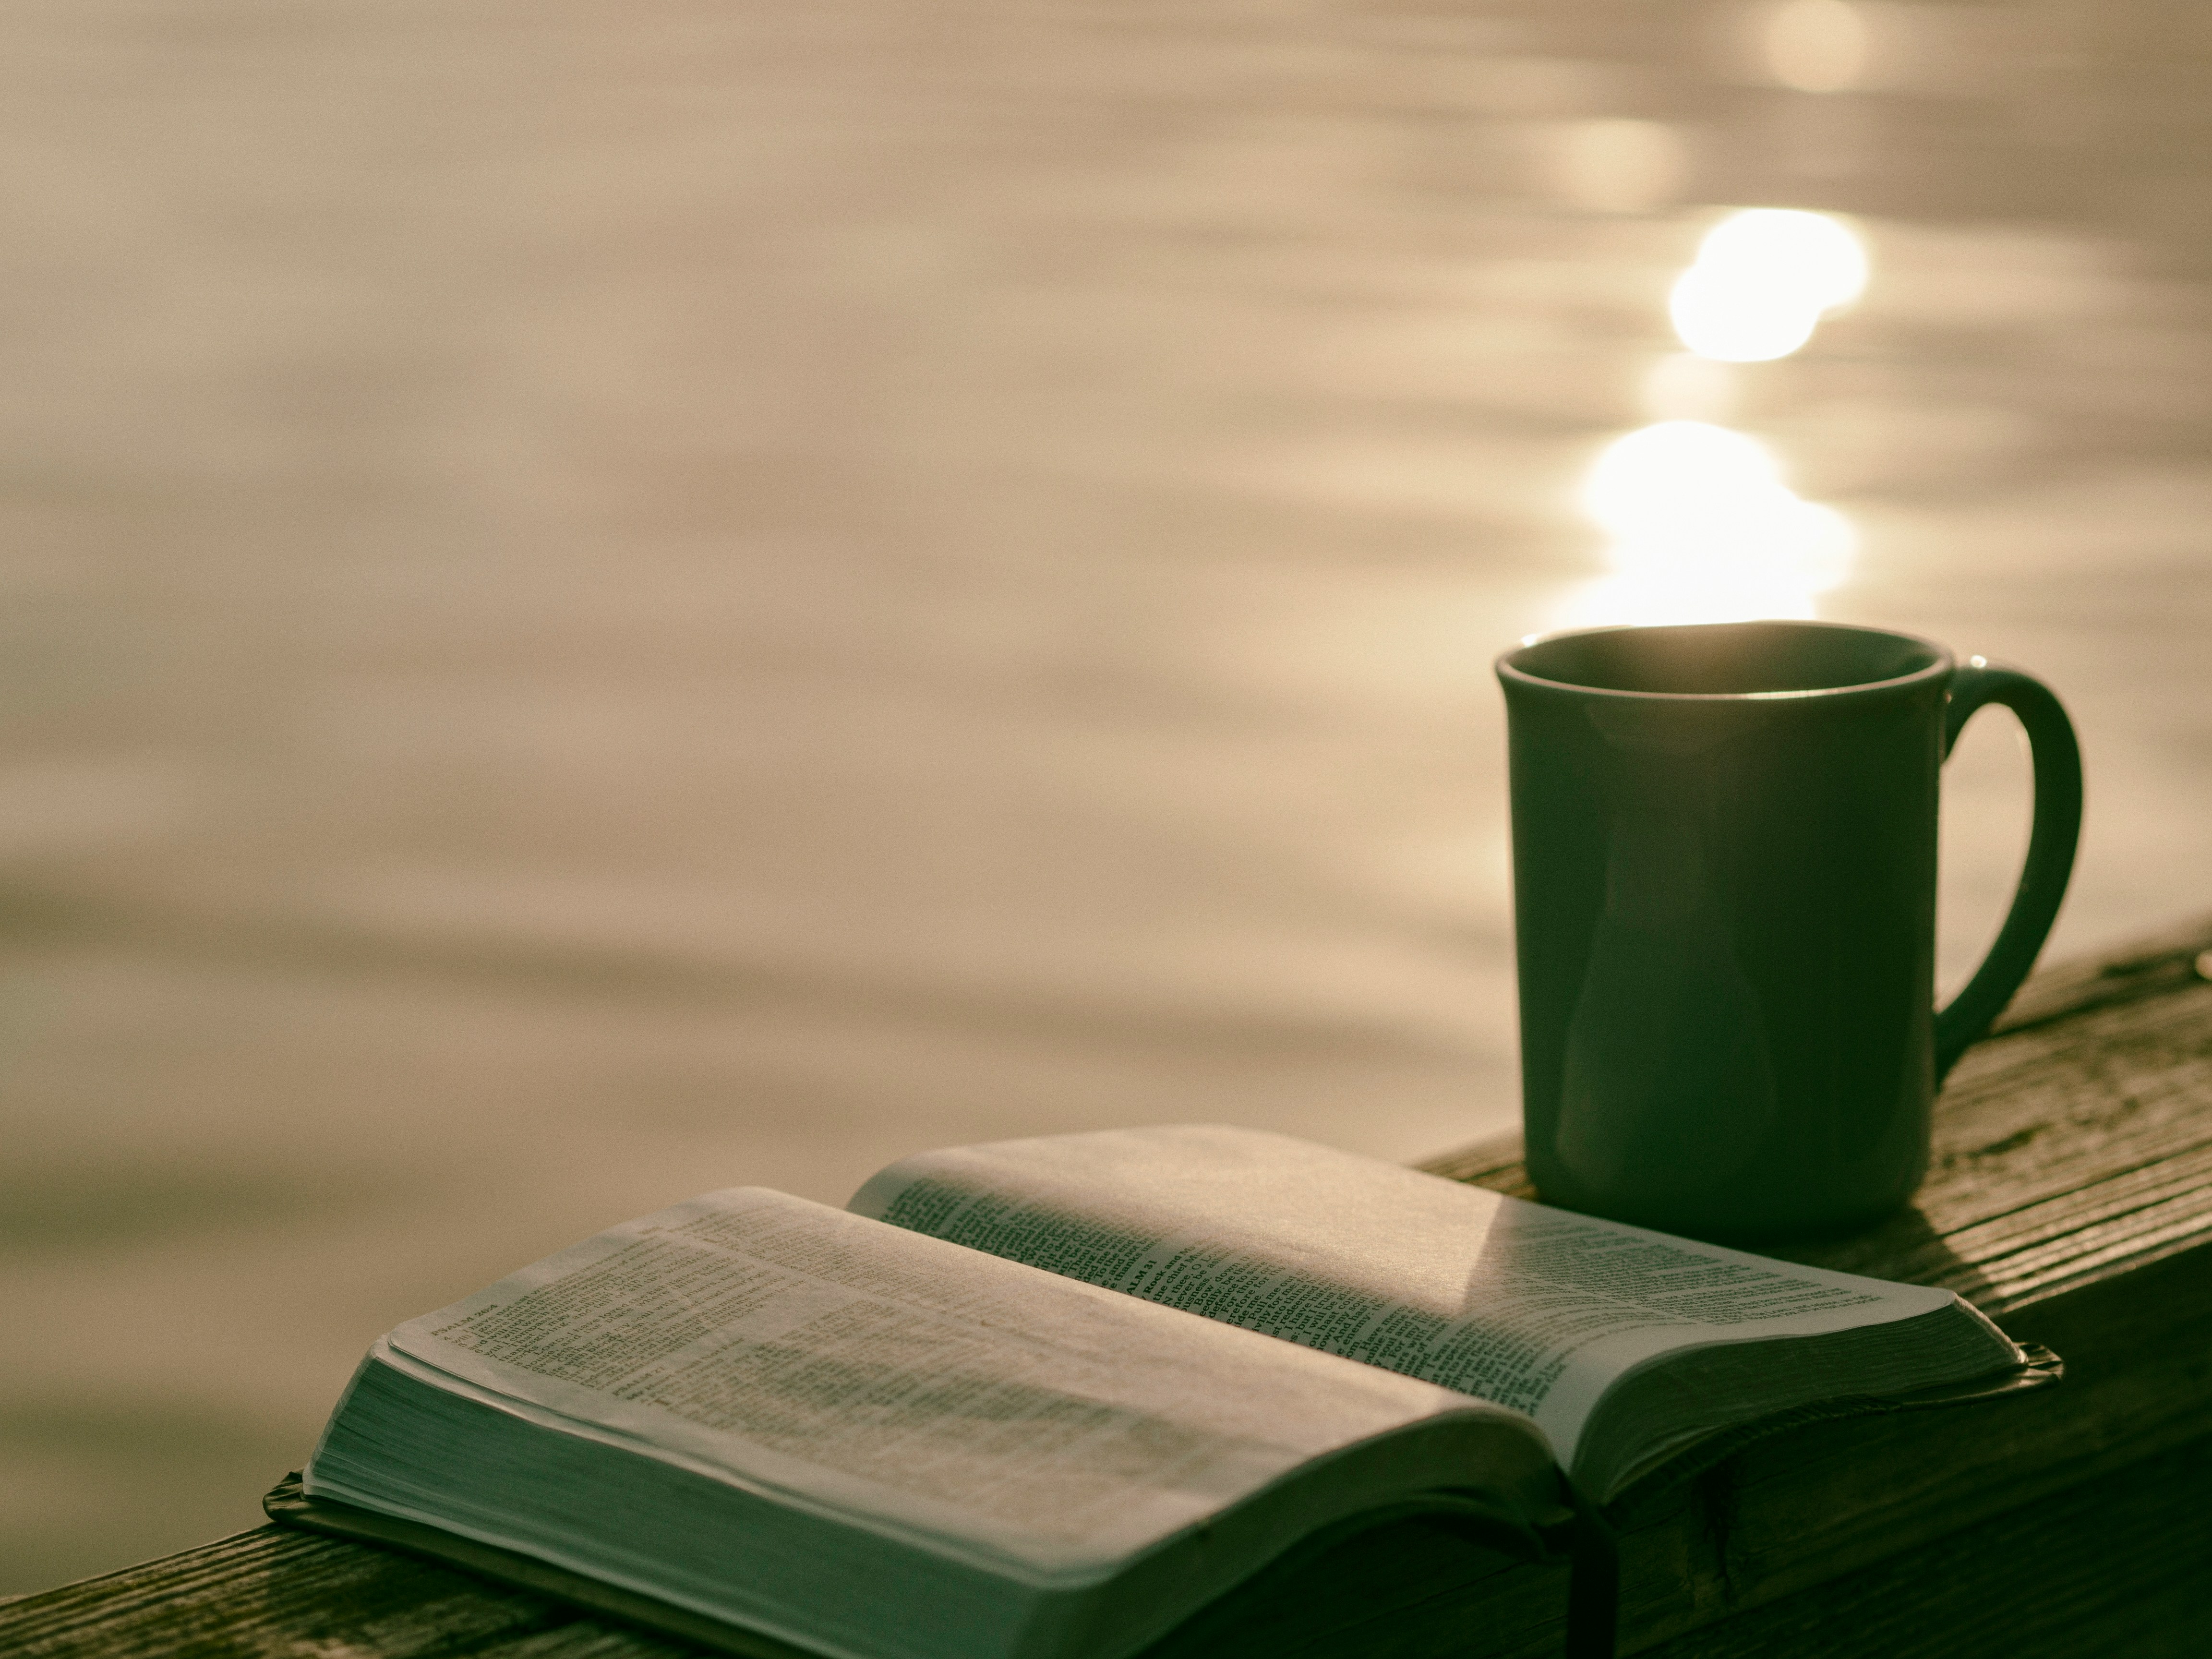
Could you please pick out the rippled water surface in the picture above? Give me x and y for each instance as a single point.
(602, 601)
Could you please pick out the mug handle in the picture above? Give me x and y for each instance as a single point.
(2058, 826)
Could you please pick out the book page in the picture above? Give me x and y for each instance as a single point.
(910, 1382)
(1536, 1308)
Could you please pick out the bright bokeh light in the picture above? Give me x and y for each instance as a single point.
(1763, 280)
(1816, 45)
(1735, 322)
(1811, 254)
(1703, 528)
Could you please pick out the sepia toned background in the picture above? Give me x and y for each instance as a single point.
(601, 601)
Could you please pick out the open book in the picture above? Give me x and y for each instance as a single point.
(1050, 1397)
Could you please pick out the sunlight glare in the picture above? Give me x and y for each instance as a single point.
(1763, 280)
(1704, 529)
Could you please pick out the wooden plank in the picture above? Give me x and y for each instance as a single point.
(2119, 1565)
(268, 1593)
(2071, 1191)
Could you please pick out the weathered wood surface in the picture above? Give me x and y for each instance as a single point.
(2071, 1194)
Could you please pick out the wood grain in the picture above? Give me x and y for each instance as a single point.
(2071, 1193)
(269, 1594)
(2119, 1565)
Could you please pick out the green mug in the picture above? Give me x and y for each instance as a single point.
(1724, 898)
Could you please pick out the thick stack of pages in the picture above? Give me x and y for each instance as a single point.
(1050, 1397)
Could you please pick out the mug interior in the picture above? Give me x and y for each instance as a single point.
(1727, 659)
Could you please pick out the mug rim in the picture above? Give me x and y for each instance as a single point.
(1508, 669)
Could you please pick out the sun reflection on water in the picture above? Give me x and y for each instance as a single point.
(1702, 524)
(1704, 529)
(1763, 280)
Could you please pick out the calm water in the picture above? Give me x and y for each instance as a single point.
(602, 603)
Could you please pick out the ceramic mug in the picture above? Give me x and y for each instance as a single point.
(1724, 890)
